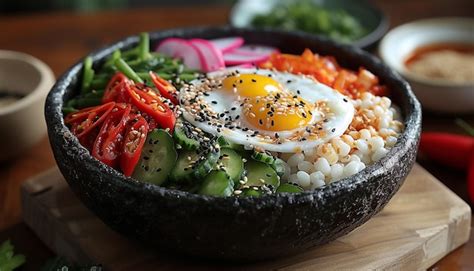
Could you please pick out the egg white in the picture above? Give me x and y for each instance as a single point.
(336, 123)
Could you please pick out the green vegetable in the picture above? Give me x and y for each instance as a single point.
(289, 188)
(217, 183)
(129, 72)
(279, 166)
(157, 158)
(144, 46)
(183, 140)
(231, 162)
(263, 157)
(88, 75)
(135, 63)
(259, 174)
(311, 17)
(194, 165)
(8, 260)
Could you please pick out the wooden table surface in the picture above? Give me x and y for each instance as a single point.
(60, 39)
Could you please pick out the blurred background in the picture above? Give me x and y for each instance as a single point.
(12, 7)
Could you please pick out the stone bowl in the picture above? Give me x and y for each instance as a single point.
(230, 228)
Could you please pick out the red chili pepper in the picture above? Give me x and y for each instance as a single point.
(470, 178)
(108, 144)
(165, 88)
(85, 121)
(135, 138)
(116, 89)
(147, 101)
(448, 149)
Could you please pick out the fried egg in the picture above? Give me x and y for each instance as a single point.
(265, 109)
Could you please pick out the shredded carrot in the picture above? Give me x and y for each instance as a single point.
(326, 70)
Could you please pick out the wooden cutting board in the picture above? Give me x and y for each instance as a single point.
(420, 225)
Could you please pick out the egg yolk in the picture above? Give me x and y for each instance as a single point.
(251, 85)
(278, 115)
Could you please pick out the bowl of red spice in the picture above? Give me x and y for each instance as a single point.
(436, 56)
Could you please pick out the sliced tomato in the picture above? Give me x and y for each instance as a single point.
(116, 89)
(165, 88)
(135, 138)
(147, 101)
(86, 120)
(108, 144)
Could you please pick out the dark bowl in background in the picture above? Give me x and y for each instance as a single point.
(232, 228)
(369, 16)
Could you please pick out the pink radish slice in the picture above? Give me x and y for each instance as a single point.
(180, 48)
(227, 44)
(232, 58)
(212, 57)
(255, 50)
(245, 66)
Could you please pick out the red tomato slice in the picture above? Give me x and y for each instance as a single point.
(116, 89)
(108, 144)
(134, 140)
(84, 121)
(165, 88)
(147, 101)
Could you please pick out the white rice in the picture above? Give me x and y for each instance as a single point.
(373, 132)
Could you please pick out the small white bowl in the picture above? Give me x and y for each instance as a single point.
(22, 123)
(434, 95)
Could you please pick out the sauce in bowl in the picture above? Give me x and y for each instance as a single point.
(452, 62)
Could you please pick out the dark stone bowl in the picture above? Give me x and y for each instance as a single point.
(243, 229)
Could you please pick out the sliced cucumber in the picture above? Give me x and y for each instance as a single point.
(193, 165)
(263, 157)
(259, 173)
(157, 159)
(217, 183)
(289, 188)
(232, 163)
(183, 140)
(250, 192)
(279, 166)
(226, 143)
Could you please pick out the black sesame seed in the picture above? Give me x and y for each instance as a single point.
(260, 121)
(146, 158)
(333, 130)
(288, 81)
(253, 80)
(345, 100)
(214, 102)
(158, 169)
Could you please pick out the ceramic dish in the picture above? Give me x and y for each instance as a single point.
(435, 95)
(227, 227)
(21, 124)
(369, 16)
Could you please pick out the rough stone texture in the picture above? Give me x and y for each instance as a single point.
(236, 228)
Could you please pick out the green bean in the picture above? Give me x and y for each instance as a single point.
(144, 46)
(116, 55)
(165, 76)
(88, 74)
(68, 110)
(187, 76)
(94, 94)
(88, 102)
(99, 83)
(123, 67)
(144, 75)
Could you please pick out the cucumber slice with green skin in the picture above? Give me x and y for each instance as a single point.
(279, 166)
(193, 165)
(232, 163)
(157, 159)
(226, 143)
(217, 183)
(263, 157)
(184, 141)
(259, 173)
(249, 192)
(289, 188)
